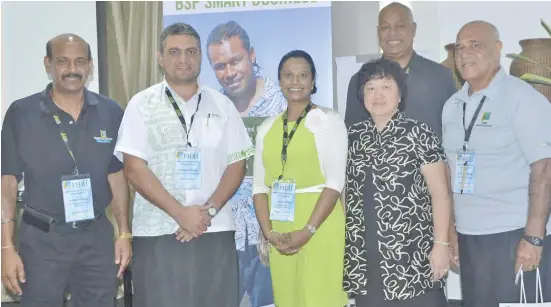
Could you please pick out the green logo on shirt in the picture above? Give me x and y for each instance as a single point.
(103, 138)
(485, 117)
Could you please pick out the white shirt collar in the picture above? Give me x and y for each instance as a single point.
(200, 89)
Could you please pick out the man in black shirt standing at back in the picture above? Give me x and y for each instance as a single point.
(429, 84)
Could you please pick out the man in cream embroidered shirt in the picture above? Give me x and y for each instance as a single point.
(151, 130)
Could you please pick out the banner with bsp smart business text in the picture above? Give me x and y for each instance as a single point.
(242, 43)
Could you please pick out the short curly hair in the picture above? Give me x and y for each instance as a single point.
(379, 69)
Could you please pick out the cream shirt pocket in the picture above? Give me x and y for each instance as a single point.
(212, 129)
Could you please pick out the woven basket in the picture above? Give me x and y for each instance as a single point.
(449, 62)
(539, 50)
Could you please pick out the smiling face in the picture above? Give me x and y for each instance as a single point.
(477, 51)
(381, 97)
(233, 65)
(181, 59)
(296, 80)
(69, 64)
(396, 30)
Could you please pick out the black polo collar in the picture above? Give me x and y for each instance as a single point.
(48, 106)
(412, 65)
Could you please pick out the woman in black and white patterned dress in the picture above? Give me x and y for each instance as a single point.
(398, 200)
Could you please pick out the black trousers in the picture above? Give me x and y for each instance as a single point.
(487, 264)
(199, 273)
(80, 260)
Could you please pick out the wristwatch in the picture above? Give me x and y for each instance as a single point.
(533, 240)
(212, 211)
(311, 229)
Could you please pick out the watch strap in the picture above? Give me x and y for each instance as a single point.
(533, 240)
(212, 211)
(311, 228)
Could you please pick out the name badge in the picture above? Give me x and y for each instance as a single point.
(188, 171)
(465, 172)
(283, 201)
(77, 198)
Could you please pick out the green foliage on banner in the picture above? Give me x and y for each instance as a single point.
(252, 123)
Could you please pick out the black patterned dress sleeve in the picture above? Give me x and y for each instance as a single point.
(429, 146)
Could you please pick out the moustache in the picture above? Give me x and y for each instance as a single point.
(72, 76)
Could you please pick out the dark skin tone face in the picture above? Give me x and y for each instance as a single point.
(477, 53)
(69, 64)
(296, 80)
(396, 30)
(233, 66)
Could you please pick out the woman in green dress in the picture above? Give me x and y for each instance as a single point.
(299, 173)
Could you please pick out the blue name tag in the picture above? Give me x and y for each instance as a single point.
(188, 170)
(77, 198)
(283, 201)
(465, 172)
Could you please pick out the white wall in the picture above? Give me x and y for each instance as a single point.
(354, 23)
(516, 21)
(26, 27)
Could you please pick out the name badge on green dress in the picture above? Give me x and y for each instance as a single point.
(465, 172)
(188, 171)
(77, 198)
(283, 201)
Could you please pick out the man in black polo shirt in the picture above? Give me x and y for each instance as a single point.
(61, 141)
(429, 84)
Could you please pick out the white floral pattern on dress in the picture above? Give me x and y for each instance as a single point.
(402, 205)
(316, 121)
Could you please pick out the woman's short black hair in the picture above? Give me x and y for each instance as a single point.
(299, 54)
(379, 69)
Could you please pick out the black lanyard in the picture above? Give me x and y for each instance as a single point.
(288, 136)
(181, 116)
(469, 130)
(66, 141)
